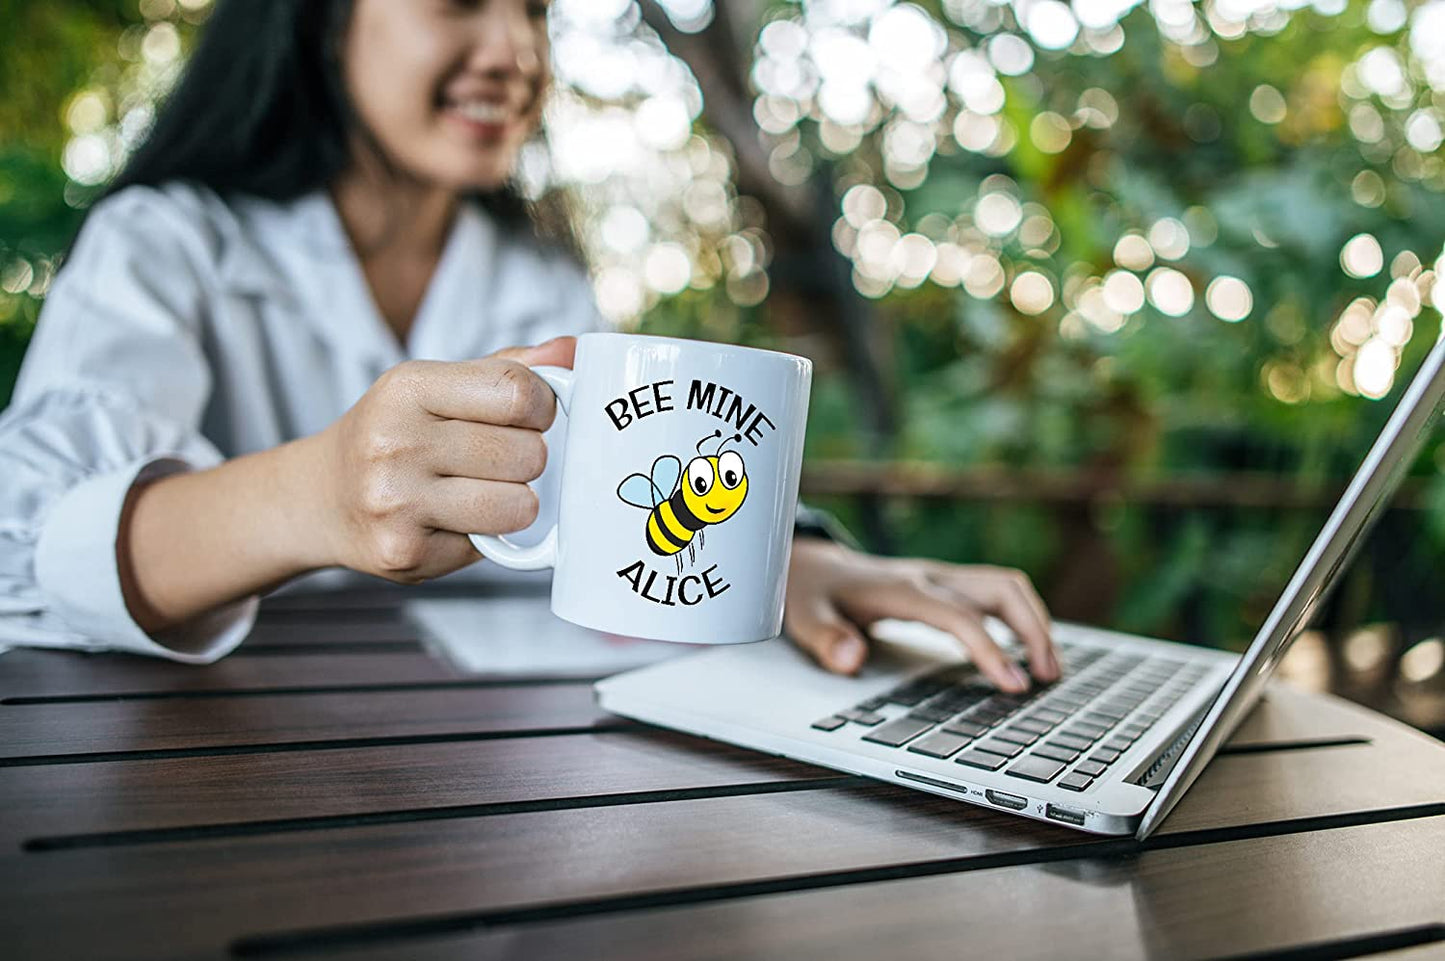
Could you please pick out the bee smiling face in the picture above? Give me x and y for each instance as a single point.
(714, 487)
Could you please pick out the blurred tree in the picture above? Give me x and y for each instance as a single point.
(79, 82)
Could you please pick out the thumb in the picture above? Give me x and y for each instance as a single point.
(557, 352)
(833, 641)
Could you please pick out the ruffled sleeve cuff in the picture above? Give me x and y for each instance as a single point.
(76, 569)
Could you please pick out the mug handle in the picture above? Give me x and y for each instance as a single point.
(544, 553)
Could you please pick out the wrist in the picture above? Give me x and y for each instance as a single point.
(304, 534)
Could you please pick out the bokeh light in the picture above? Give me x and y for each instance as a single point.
(1229, 298)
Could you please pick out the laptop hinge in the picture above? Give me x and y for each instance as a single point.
(1165, 760)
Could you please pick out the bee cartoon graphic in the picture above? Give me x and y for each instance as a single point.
(711, 490)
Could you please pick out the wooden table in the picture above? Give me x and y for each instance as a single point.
(332, 790)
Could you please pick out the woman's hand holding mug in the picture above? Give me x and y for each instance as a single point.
(432, 452)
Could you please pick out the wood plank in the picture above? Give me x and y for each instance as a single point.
(1360, 884)
(385, 873)
(61, 731)
(341, 633)
(1430, 951)
(62, 802)
(57, 802)
(32, 674)
(1300, 716)
(64, 805)
(51, 801)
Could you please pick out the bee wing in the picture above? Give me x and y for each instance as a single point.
(636, 490)
(666, 471)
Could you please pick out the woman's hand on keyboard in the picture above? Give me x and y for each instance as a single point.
(835, 593)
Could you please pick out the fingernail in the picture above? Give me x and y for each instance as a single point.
(1019, 677)
(847, 653)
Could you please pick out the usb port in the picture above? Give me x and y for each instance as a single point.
(1067, 815)
(1011, 801)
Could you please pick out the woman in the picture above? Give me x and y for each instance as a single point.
(257, 362)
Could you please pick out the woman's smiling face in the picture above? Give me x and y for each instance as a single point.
(449, 89)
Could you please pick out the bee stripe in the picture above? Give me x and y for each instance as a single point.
(684, 514)
(657, 540)
(670, 524)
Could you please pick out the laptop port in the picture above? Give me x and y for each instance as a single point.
(1067, 815)
(1011, 801)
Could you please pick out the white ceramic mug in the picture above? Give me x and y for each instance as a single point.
(679, 486)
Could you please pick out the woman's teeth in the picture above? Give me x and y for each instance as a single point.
(482, 111)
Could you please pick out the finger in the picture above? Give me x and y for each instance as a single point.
(833, 640)
(466, 505)
(1003, 597)
(438, 553)
(448, 551)
(492, 390)
(488, 451)
(557, 352)
(1007, 594)
(939, 609)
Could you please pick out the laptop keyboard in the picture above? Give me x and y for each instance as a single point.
(1070, 730)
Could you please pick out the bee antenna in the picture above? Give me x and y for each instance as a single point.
(716, 433)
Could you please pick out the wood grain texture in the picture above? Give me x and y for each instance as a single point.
(387, 804)
(66, 731)
(504, 863)
(60, 803)
(1432, 950)
(1208, 901)
(29, 675)
(1292, 716)
(72, 801)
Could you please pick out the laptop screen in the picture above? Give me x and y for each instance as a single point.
(1389, 458)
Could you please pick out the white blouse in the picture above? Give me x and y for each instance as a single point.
(184, 330)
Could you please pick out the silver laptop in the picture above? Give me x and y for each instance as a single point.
(1109, 748)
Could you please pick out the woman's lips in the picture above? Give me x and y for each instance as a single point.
(483, 120)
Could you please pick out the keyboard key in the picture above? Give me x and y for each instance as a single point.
(1049, 716)
(1015, 736)
(965, 728)
(866, 718)
(908, 696)
(1076, 743)
(939, 744)
(1005, 748)
(1104, 755)
(983, 759)
(898, 732)
(1035, 768)
(954, 701)
(1033, 725)
(872, 704)
(1091, 768)
(1120, 744)
(930, 713)
(829, 723)
(1089, 732)
(1055, 752)
(1075, 781)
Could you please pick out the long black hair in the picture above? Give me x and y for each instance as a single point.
(261, 109)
